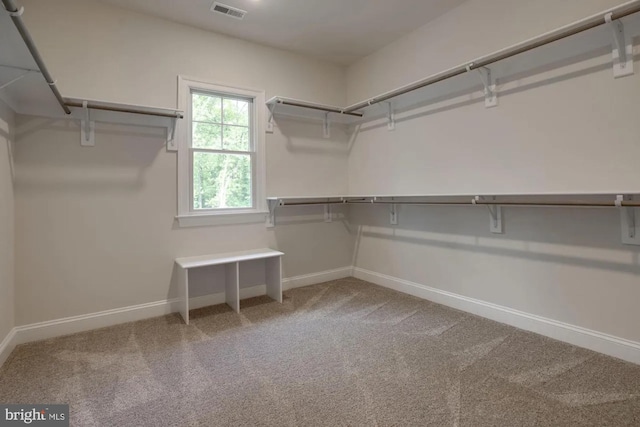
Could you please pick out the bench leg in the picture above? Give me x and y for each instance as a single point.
(183, 284)
(274, 278)
(232, 286)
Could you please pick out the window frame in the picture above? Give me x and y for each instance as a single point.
(187, 216)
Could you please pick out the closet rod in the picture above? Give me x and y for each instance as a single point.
(335, 202)
(16, 17)
(175, 115)
(319, 108)
(624, 203)
(618, 12)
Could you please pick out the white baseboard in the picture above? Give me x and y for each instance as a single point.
(86, 322)
(582, 337)
(312, 279)
(576, 335)
(7, 345)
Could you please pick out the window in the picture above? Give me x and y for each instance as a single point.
(220, 154)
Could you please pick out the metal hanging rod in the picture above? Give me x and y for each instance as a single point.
(623, 202)
(612, 204)
(333, 202)
(311, 203)
(131, 110)
(567, 203)
(618, 12)
(16, 17)
(317, 107)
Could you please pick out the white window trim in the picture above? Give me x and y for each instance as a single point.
(188, 218)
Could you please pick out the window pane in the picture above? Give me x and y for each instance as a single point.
(235, 138)
(221, 181)
(236, 112)
(206, 108)
(205, 135)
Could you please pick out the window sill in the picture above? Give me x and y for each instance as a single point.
(202, 220)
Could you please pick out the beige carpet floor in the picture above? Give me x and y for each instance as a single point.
(342, 353)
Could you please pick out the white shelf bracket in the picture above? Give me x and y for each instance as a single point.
(171, 134)
(490, 94)
(326, 127)
(87, 128)
(495, 215)
(393, 214)
(271, 217)
(272, 109)
(622, 48)
(628, 223)
(391, 117)
(328, 215)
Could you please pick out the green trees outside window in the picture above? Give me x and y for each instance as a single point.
(222, 152)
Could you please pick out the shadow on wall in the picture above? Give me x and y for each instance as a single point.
(581, 237)
(289, 217)
(305, 136)
(6, 138)
(49, 156)
(174, 291)
(310, 244)
(314, 214)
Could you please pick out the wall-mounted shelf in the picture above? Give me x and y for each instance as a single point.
(24, 87)
(296, 108)
(91, 111)
(287, 107)
(612, 29)
(28, 88)
(627, 202)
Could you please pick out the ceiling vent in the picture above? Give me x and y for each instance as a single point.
(224, 9)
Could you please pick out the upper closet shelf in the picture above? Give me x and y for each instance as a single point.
(281, 106)
(91, 111)
(608, 31)
(28, 88)
(24, 80)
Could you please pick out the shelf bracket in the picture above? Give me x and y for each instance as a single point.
(271, 217)
(272, 109)
(496, 219)
(326, 127)
(393, 214)
(628, 223)
(622, 48)
(328, 215)
(171, 133)
(495, 215)
(391, 118)
(87, 128)
(490, 94)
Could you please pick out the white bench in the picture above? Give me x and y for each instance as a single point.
(233, 263)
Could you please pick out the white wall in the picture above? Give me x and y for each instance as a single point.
(573, 128)
(6, 223)
(95, 226)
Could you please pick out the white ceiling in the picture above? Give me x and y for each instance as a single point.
(340, 31)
